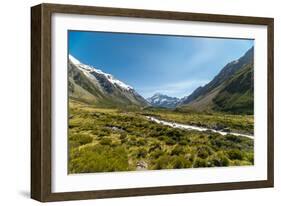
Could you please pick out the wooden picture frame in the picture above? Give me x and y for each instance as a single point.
(41, 116)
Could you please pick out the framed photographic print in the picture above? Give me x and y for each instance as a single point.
(132, 102)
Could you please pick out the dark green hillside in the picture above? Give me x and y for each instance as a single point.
(227, 72)
(230, 91)
(237, 96)
(82, 88)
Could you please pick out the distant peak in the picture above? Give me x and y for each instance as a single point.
(162, 100)
(158, 94)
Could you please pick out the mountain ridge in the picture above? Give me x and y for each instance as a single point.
(231, 90)
(91, 85)
(162, 100)
(217, 92)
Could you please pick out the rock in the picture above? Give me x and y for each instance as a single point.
(141, 165)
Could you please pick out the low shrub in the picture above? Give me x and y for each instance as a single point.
(199, 162)
(80, 139)
(183, 142)
(105, 141)
(157, 153)
(162, 162)
(250, 157)
(235, 154)
(154, 146)
(123, 135)
(169, 141)
(233, 138)
(141, 142)
(219, 160)
(204, 151)
(177, 150)
(141, 153)
(180, 162)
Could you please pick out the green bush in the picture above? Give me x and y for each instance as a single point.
(141, 153)
(233, 138)
(133, 138)
(132, 141)
(161, 138)
(180, 162)
(203, 152)
(169, 141)
(102, 133)
(235, 154)
(141, 142)
(73, 144)
(154, 146)
(175, 134)
(157, 153)
(200, 163)
(183, 142)
(123, 141)
(123, 135)
(216, 143)
(177, 150)
(80, 139)
(162, 162)
(219, 160)
(105, 141)
(250, 157)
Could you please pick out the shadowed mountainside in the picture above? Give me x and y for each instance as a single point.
(90, 85)
(230, 91)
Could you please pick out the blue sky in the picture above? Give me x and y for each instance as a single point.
(172, 65)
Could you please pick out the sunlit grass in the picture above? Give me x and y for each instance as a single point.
(235, 123)
(106, 140)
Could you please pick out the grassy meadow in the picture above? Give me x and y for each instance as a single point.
(107, 140)
(243, 123)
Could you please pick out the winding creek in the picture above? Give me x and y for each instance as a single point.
(189, 127)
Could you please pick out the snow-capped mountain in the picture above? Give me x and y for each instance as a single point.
(90, 72)
(161, 100)
(92, 85)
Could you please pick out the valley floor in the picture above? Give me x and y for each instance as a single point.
(106, 140)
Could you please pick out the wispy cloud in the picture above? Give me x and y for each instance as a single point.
(176, 89)
(205, 50)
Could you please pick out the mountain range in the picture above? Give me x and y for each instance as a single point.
(162, 100)
(231, 90)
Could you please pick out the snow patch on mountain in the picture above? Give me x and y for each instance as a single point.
(88, 70)
(161, 100)
(73, 60)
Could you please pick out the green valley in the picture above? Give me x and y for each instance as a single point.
(114, 128)
(108, 139)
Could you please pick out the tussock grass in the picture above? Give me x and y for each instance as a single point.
(106, 140)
